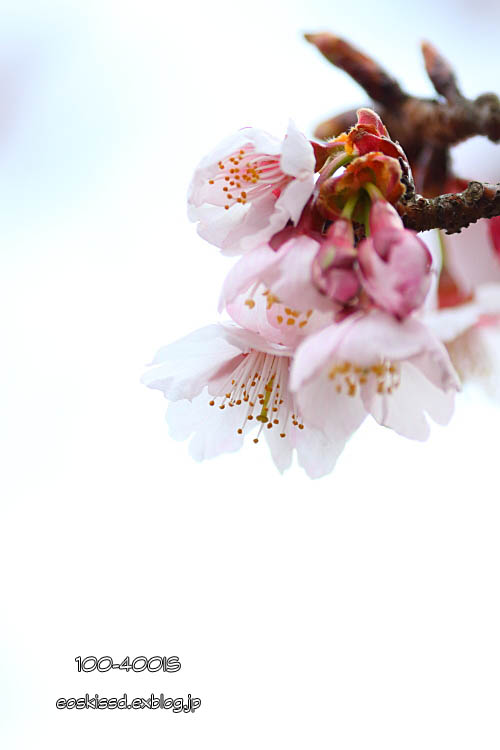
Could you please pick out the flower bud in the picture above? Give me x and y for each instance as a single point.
(374, 169)
(333, 270)
(369, 135)
(394, 264)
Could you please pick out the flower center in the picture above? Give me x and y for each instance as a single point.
(348, 378)
(259, 386)
(245, 176)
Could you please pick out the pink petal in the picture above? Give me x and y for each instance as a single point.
(248, 271)
(370, 119)
(317, 351)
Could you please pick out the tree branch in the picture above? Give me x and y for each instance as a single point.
(378, 84)
(453, 211)
(444, 123)
(426, 129)
(441, 73)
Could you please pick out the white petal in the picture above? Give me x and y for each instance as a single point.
(246, 339)
(215, 430)
(265, 220)
(316, 351)
(336, 414)
(487, 297)
(431, 239)
(256, 319)
(294, 197)
(405, 408)
(264, 142)
(220, 227)
(290, 278)
(437, 367)
(184, 367)
(450, 322)
(378, 336)
(476, 355)
(247, 271)
(297, 154)
(316, 453)
(281, 449)
(225, 148)
(470, 256)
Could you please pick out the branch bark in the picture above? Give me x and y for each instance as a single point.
(454, 211)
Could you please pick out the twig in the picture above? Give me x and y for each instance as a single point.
(440, 123)
(454, 211)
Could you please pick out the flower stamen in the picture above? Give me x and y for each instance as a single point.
(385, 376)
(260, 383)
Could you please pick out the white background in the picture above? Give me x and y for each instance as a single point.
(358, 611)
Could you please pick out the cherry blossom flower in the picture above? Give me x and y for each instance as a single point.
(397, 371)
(466, 310)
(250, 186)
(224, 382)
(394, 263)
(284, 277)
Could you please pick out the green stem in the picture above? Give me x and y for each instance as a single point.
(350, 206)
(332, 165)
(373, 191)
(366, 220)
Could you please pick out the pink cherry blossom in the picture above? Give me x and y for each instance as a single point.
(394, 263)
(250, 186)
(270, 291)
(225, 382)
(397, 371)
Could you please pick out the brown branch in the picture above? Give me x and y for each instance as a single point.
(378, 84)
(441, 123)
(441, 73)
(426, 128)
(454, 211)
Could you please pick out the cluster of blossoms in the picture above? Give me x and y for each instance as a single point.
(336, 310)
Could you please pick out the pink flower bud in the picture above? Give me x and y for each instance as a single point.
(370, 134)
(394, 264)
(333, 267)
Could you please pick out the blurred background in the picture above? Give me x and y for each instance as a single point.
(361, 610)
